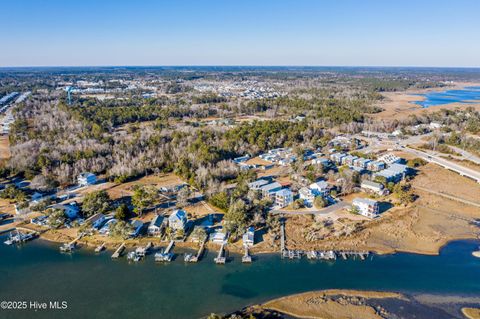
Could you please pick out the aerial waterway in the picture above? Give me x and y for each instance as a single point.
(469, 94)
(95, 286)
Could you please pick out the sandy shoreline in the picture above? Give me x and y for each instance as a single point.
(342, 303)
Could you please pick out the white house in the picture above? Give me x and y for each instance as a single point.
(249, 237)
(156, 226)
(283, 197)
(320, 188)
(307, 195)
(218, 237)
(86, 178)
(178, 220)
(373, 187)
(366, 207)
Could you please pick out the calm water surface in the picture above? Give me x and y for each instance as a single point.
(465, 95)
(97, 287)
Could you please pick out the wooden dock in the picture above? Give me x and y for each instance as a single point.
(169, 247)
(201, 249)
(195, 258)
(100, 248)
(246, 258)
(221, 259)
(119, 251)
(73, 243)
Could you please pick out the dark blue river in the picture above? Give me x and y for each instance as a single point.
(94, 286)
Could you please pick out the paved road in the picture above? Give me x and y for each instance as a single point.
(466, 155)
(464, 171)
(458, 199)
(328, 210)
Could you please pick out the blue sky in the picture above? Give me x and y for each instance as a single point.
(234, 32)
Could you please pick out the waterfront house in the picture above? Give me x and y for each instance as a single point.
(96, 220)
(218, 237)
(137, 227)
(249, 237)
(372, 187)
(40, 220)
(156, 226)
(178, 220)
(86, 178)
(70, 210)
(366, 207)
(105, 230)
(283, 198)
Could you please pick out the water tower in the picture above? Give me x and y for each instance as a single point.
(69, 94)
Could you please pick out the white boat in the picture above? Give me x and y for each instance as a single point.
(67, 248)
(133, 256)
(162, 256)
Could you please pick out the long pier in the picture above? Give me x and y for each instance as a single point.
(119, 251)
(190, 258)
(220, 259)
(74, 242)
(282, 239)
(169, 247)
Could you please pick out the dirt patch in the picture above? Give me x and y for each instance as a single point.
(4, 148)
(437, 179)
(126, 189)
